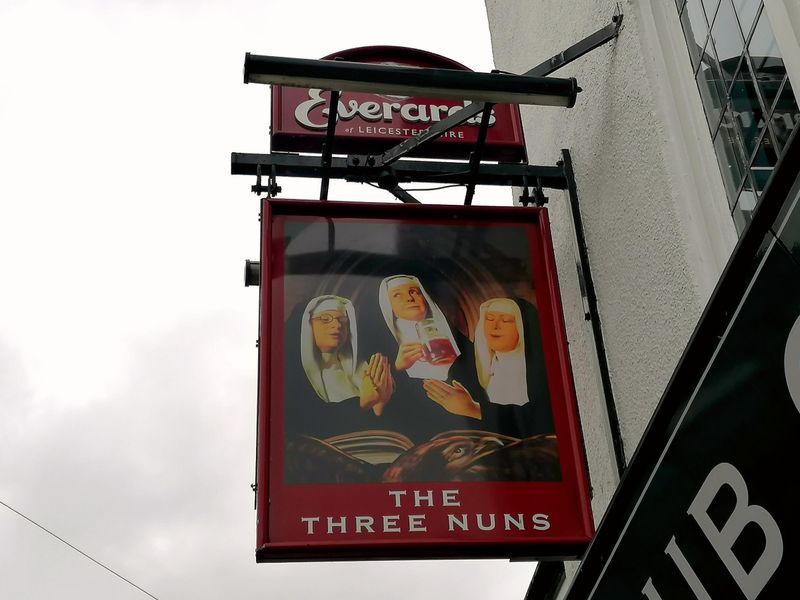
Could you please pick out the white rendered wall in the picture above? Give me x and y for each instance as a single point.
(657, 225)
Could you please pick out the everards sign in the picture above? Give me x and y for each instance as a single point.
(375, 122)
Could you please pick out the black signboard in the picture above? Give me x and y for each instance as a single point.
(708, 507)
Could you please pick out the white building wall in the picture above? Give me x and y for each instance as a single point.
(657, 225)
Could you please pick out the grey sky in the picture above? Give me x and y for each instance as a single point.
(127, 358)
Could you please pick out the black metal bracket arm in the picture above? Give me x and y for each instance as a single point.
(475, 156)
(455, 84)
(403, 195)
(403, 171)
(574, 52)
(327, 145)
(586, 45)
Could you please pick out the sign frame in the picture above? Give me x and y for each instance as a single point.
(568, 510)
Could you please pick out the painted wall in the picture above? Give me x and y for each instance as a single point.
(656, 220)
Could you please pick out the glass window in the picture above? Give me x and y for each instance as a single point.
(710, 7)
(730, 155)
(743, 210)
(767, 59)
(785, 115)
(763, 162)
(763, 41)
(711, 84)
(695, 30)
(695, 44)
(727, 37)
(760, 177)
(749, 103)
(746, 11)
(728, 41)
(747, 109)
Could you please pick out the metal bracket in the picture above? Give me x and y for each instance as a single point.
(539, 199)
(585, 273)
(327, 145)
(475, 156)
(403, 195)
(574, 52)
(272, 188)
(403, 171)
(586, 45)
(388, 170)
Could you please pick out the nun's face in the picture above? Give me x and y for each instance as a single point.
(330, 329)
(408, 302)
(500, 329)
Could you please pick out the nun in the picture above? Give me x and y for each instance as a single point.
(334, 394)
(500, 352)
(510, 366)
(514, 398)
(429, 355)
(413, 318)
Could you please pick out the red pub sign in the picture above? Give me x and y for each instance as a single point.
(415, 393)
(372, 123)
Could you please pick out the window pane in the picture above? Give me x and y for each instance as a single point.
(694, 29)
(727, 37)
(694, 45)
(747, 109)
(743, 211)
(712, 87)
(728, 41)
(760, 178)
(763, 163)
(711, 9)
(729, 154)
(765, 156)
(785, 115)
(767, 59)
(746, 9)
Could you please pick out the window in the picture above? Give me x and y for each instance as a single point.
(748, 100)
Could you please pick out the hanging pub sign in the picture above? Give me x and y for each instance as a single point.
(373, 123)
(708, 505)
(415, 395)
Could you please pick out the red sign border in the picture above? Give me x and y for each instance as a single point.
(553, 338)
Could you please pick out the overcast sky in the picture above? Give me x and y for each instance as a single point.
(127, 356)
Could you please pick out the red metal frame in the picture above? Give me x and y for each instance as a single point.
(279, 506)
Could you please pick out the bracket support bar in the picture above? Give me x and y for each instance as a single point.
(403, 171)
(574, 52)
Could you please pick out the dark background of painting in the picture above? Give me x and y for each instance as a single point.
(460, 266)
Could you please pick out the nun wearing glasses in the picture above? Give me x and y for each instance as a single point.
(333, 393)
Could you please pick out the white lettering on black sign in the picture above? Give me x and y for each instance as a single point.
(722, 539)
(791, 363)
